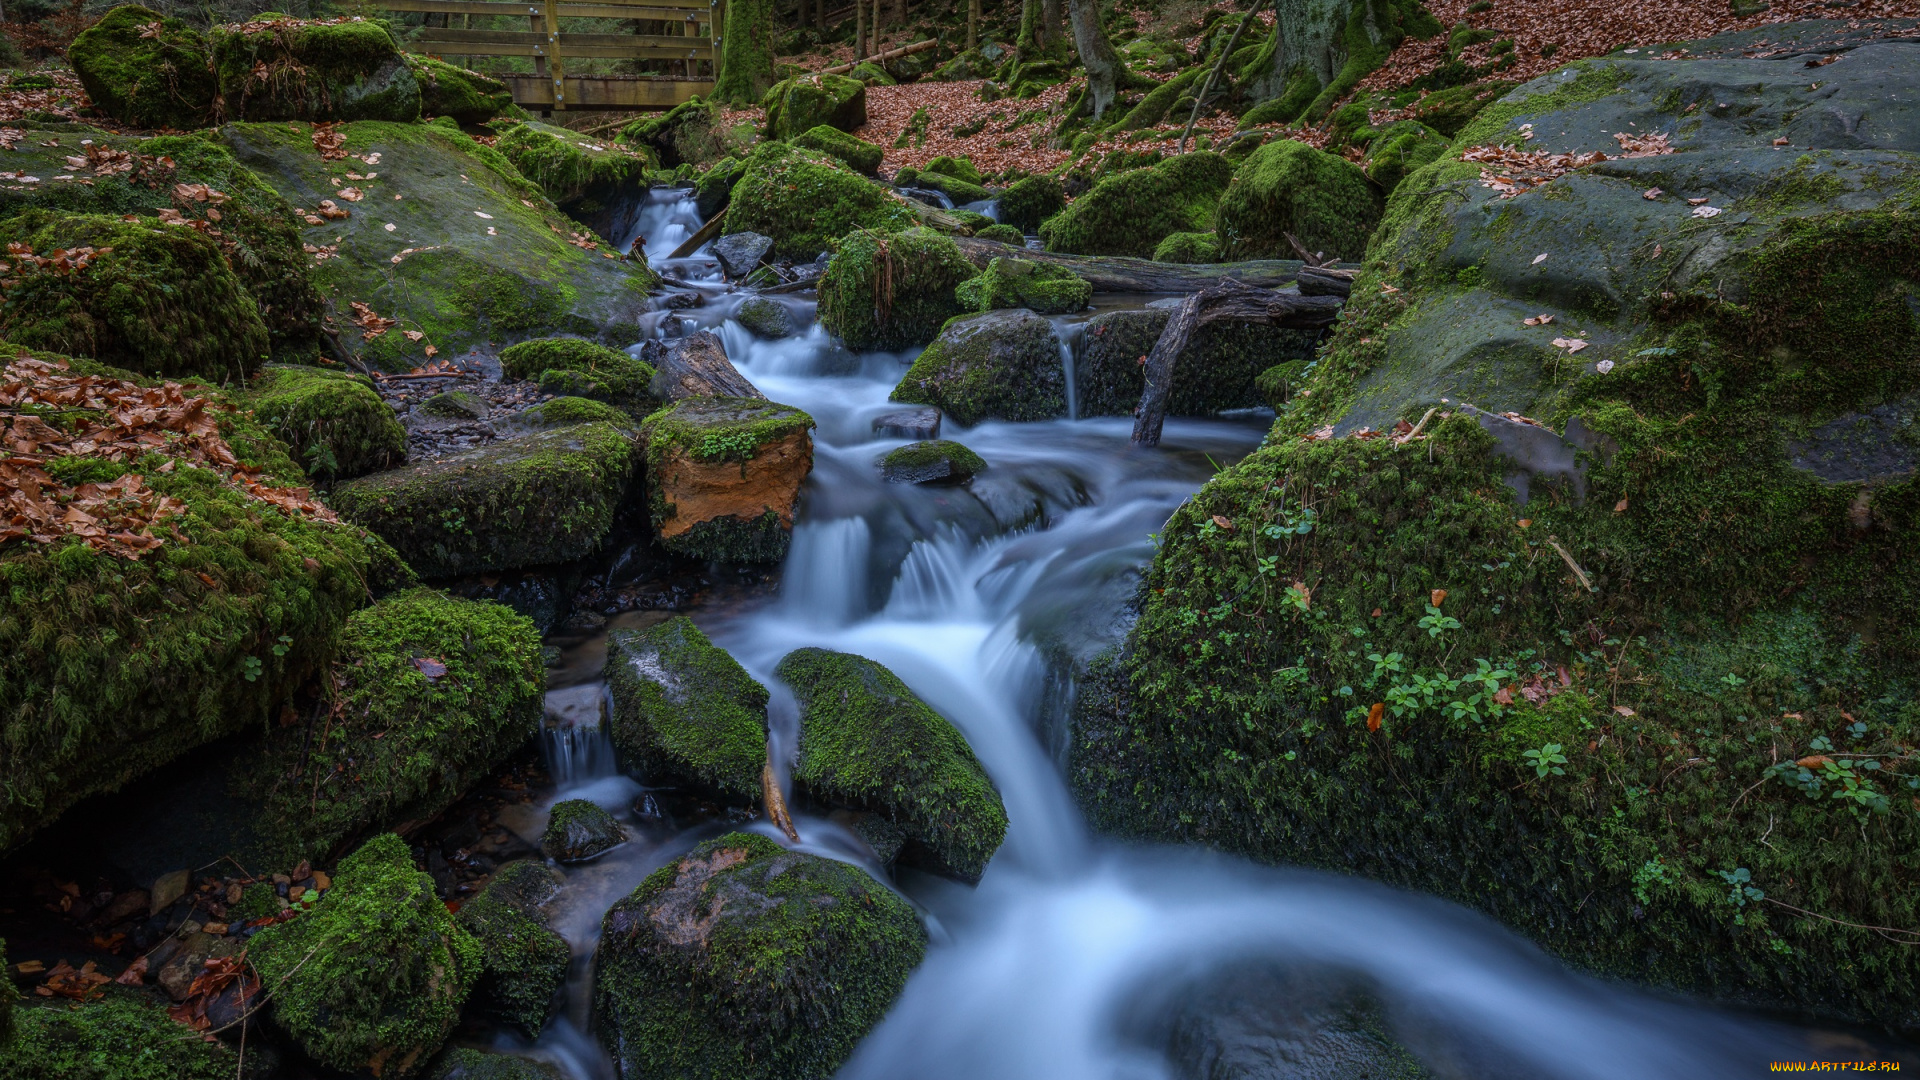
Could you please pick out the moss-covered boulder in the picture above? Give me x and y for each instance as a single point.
(374, 976)
(477, 256)
(566, 164)
(793, 958)
(579, 368)
(999, 364)
(859, 154)
(332, 421)
(111, 667)
(1031, 200)
(936, 461)
(124, 1035)
(1188, 247)
(684, 709)
(959, 168)
(765, 317)
(1002, 234)
(467, 96)
(892, 291)
(580, 831)
(523, 959)
(723, 475)
(1398, 150)
(867, 742)
(1129, 213)
(1008, 283)
(692, 133)
(561, 412)
(1289, 187)
(807, 101)
(466, 1063)
(434, 692)
(545, 497)
(805, 201)
(455, 405)
(1219, 369)
(281, 68)
(146, 70)
(872, 74)
(152, 298)
(960, 192)
(1631, 662)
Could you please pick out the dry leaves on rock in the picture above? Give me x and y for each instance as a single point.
(81, 984)
(328, 140)
(371, 324)
(228, 981)
(1513, 172)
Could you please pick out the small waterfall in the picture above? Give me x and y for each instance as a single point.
(1070, 335)
(988, 207)
(826, 576)
(574, 738)
(668, 217)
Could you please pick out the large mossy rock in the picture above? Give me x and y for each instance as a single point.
(858, 154)
(1399, 149)
(1289, 187)
(723, 475)
(332, 421)
(579, 830)
(997, 365)
(152, 298)
(931, 461)
(1630, 716)
(685, 709)
(254, 228)
(110, 668)
(691, 133)
(807, 101)
(805, 201)
(484, 257)
(1031, 200)
(374, 976)
(892, 291)
(1131, 212)
(744, 961)
(866, 741)
(143, 78)
(434, 691)
(566, 164)
(122, 1036)
(281, 68)
(467, 96)
(1217, 371)
(1023, 283)
(545, 497)
(523, 959)
(580, 368)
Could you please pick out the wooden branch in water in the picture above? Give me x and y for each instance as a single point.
(776, 803)
(707, 232)
(1116, 273)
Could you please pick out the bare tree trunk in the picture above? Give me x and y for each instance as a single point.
(879, 17)
(1048, 35)
(973, 25)
(1096, 53)
(859, 29)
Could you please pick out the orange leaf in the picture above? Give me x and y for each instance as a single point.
(1813, 762)
(1374, 714)
(1439, 595)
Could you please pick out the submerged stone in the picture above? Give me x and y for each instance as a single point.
(741, 253)
(723, 475)
(580, 831)
(908, 424)
(523, 959)
(684, 709)
(867, 742)
(744, 961)
(1001, 365)
(935, 462)
(765, 317)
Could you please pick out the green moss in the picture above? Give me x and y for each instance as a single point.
(959, 168)
(467, 96)
(1399, 149)
(162, 301)
(567, 411)
(956, 189)
(1188, 247)
(1130, 213)
(1289, 187)
(934, 461)
(1005, 234)
(691, 132)
(545, 497)
(579, 830)
(123, 1036)
(867, 741)
(165, 81)
(1029, 201)
(800, 958)
(524, 961)
(859, 154)
(1154, 107)
(583, 369)
(374, 976)
(872, 74)
(256, 902)
(805, 202)
(566, 164)
(684, 709)
(714, 187)
(1006, 283)
(405, 743)
(299, 70)
(466, 1063)
(891, 291)
(745, 72)
(332, 421)
(999, 364)
(799, 104)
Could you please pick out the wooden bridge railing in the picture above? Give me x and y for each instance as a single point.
(690, 37)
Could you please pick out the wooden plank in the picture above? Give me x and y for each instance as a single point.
(456, 40)
(484, 48)
(657, 9)
(589, 92)
(601, 9)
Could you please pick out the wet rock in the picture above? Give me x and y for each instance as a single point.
(333, 422)
(546, 497)
(579, 831)
(892, 291)
(166, 889)
(455, 405)
(1010, 283)
(744, 961)
(561, 412)
(1870, 446)
(685, 709)
(1030, 201)
(523, 960)
(177, 974)
(1218, 370)
(867, 742)
(723, 475)
(765, 317)
(681, 301)
(908, 424)
(1000, 365)
(804, 102)
(697, 366)
(1290, 187)
(1252, 1024)
(466, 1063)
(881, 834)
(374, 977)
(567, 165)
(715, 186)
(806, 201)
(467, 96)
(1131, 212)
(934, 462)
(694, 132)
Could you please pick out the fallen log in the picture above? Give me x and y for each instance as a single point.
(1119, 274)
(698, 367)
(1224, 301)
(890, 54)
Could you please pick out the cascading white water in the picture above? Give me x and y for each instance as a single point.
(1047, 968)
